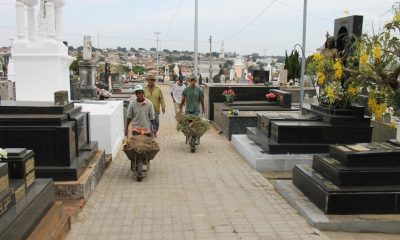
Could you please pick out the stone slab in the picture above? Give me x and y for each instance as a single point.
(380, 223)
(333, 199)
(378, 154)
(23, 217)
(342, 175)
(262, 161)
(86, 183)
(272, 147)
(318, 132)
(243, 92)
(54, 225)
(229, 124)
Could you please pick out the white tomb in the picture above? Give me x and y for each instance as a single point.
(40, 58)
(106, 123)
(41, 67)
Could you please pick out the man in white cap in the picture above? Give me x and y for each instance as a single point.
(140, 113)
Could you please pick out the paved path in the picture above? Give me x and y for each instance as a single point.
(211, 194)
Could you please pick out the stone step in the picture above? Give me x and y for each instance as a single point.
(54, 225)
(318, 132)
(342, 175)
(332, 199)
(272, 147)
(377, 154)
(23, 217)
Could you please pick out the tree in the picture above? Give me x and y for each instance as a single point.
(254, 56)
(138, 69)
(133, 49)
(153, 49)
(170, 58)
(293, 64)
(228, 64)
(75, 64)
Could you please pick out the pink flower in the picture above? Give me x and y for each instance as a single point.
(271, 96)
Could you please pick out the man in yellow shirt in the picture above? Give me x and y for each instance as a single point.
(154, 94)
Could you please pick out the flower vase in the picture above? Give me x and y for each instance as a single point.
(229, 100)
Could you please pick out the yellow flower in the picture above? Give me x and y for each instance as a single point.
(363, 59)
(377, 53)
(397, 16)
(353, 91)
(321, 78)
(330, 92)
(338, 69)
(318, 57)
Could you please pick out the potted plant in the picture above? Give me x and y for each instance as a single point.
(229, 95)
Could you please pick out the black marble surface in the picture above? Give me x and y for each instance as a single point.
(22, 218)
(318, 132)
(33, 107)
(332, 199)
(377, 154)
(264, 119)
(19, 162)
(56, 134)
(243, 92)
(342, 175)
(272, 147)
(230, 124)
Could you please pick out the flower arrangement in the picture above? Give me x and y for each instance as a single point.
(229, 95)
(271, 97)
(3, 153)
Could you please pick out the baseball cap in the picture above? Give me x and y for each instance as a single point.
(138, 88)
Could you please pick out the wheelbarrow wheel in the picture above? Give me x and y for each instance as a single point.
(193, 144)
(139, 170)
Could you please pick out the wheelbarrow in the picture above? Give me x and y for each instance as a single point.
(140, 162)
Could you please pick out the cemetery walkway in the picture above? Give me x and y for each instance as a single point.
(211, 194)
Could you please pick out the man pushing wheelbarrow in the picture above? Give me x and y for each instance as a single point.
(141, 148)
(191, 124)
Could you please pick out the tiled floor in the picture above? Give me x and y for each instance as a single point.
(210, 194)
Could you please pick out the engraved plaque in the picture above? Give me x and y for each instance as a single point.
(19, 193)
(4, 183)
(331, 185)
(29, 165)
(358, 148)
(30, 179)
(343, 149)
(331, 161)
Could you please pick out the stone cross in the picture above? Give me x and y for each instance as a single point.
(87, 48)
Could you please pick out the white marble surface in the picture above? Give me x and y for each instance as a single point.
(106, 123)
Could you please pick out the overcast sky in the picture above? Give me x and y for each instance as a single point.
(245, 26)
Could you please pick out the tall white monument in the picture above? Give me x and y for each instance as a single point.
(222, 52)
(166, 74)
(40, 58)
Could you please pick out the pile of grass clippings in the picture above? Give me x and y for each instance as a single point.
(141, 144)
(191, 125)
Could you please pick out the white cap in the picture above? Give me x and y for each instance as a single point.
(138, 88)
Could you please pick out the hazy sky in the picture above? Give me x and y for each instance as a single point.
(245, 26)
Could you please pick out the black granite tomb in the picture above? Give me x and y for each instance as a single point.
(311, 131)
(59, 136)
(20, 162)
(23, 216)
(353, 179)
(230, 124)
(18, 188)
(243, 92)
